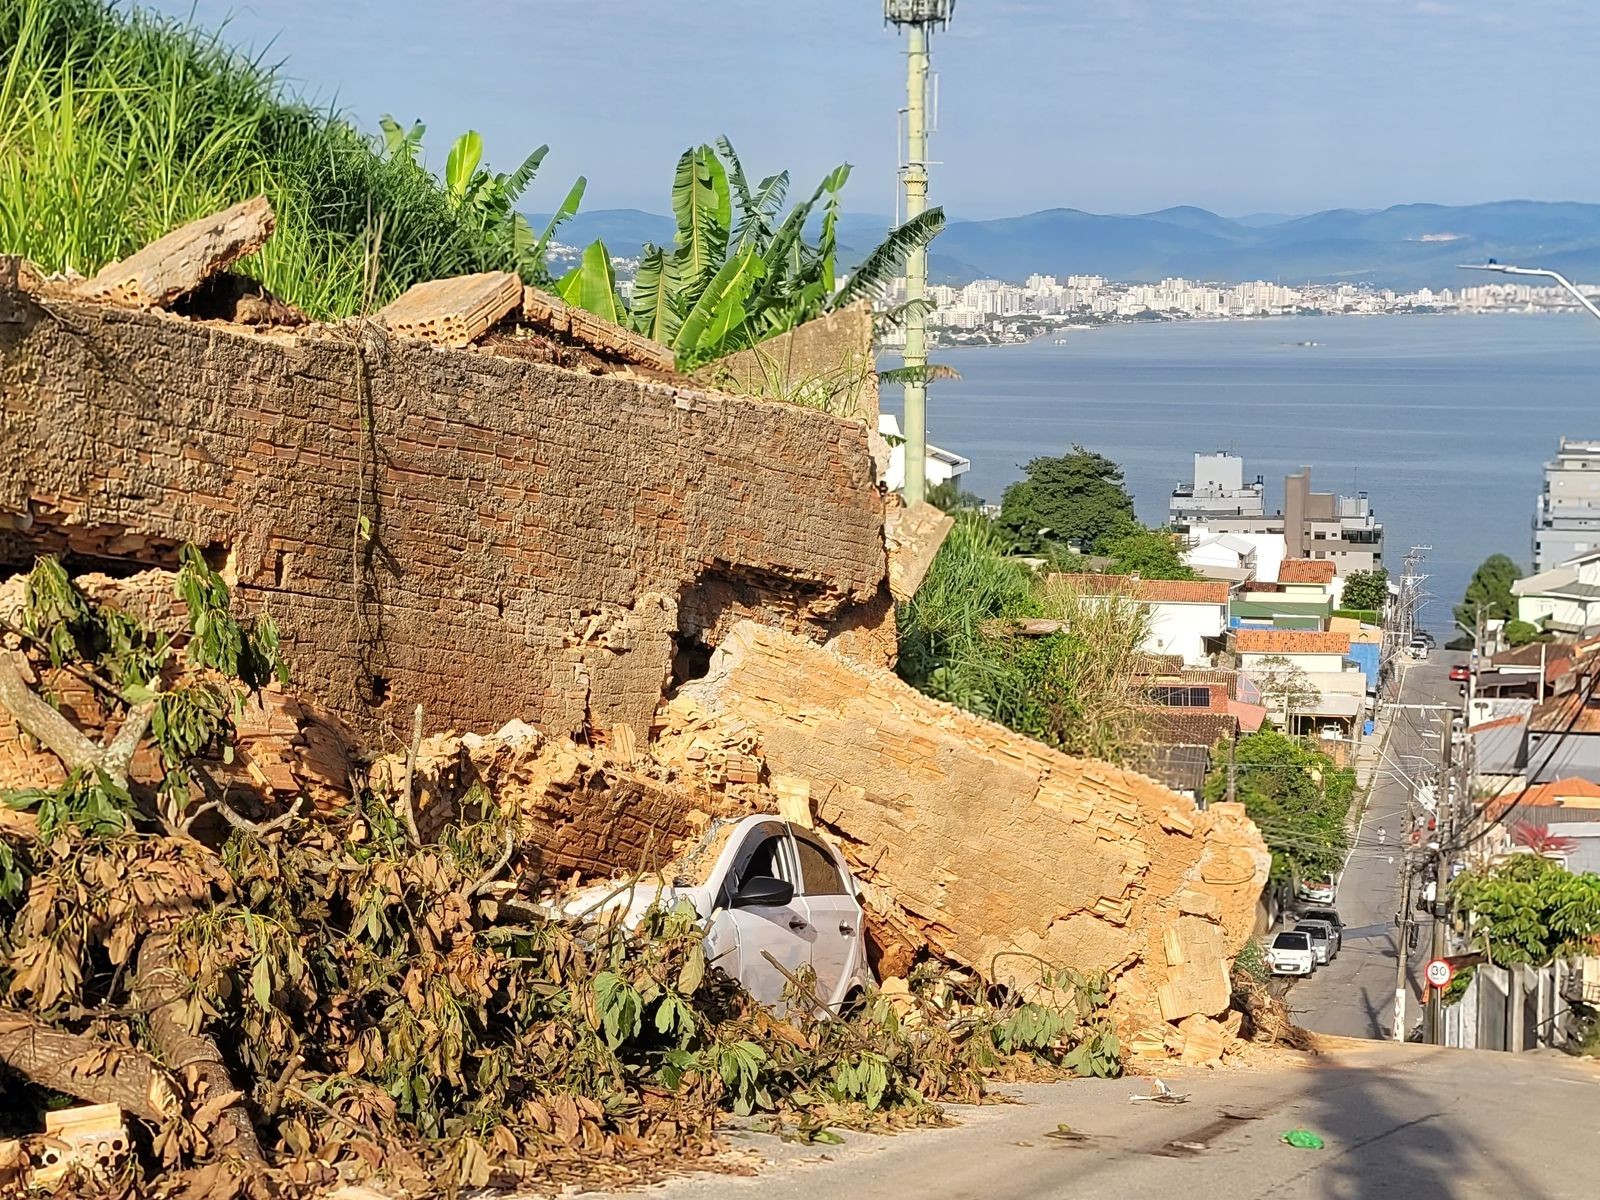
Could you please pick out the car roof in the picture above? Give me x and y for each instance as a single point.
(1322, 927)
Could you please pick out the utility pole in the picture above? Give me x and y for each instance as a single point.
(1441, 885)
(919, 18)
(1402, 957)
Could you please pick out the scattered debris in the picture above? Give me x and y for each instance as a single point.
(1160, 1093)
(1302, 1139)
(545, 312)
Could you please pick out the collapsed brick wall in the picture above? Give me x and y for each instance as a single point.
(488, 536)
(992, 843)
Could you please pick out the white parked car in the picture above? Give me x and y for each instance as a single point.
(1321, 934)
(1316, 891)
(1291, 954)
(771, 887)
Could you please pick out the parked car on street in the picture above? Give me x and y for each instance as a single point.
(1321, 934)
(1331, 917)
(771, 888)
(1418, 648)
(1460, 673)
(1291, 954)
(1316, 891)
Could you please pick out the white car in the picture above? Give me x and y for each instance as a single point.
(1316, 891)
(1291, 954)
(771, 887)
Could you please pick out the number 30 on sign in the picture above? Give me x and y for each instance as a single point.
(1439, 973)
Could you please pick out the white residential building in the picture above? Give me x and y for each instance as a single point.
(1187, 618)
(939, 466)
(1564, 599)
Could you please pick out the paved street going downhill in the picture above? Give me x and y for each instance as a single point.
(1354, 995)
(1414, 1121)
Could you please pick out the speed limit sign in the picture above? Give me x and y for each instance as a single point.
(1438, 972)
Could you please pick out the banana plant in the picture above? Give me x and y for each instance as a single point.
(736, 274)
(489, 200)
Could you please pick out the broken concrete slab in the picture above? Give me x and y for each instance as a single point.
(995, 850)
(552, 315)
(179, 262)
(913, 536)
(453, 312)
(828, 363)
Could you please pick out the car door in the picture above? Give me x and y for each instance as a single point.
(740, 938)
(834, 914)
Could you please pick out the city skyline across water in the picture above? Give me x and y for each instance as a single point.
(1444, 421)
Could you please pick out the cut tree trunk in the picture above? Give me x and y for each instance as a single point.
(92, 1070)
(160, 988)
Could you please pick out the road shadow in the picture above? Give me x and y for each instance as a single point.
(1397, 1126)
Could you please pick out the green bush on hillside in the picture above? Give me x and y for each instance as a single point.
(117, 125)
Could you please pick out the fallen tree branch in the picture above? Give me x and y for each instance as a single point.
(92, 1070)
(64, 739)
(242, 823)
(499, 864)
(408, 812)
(42, 722)
(160, 985)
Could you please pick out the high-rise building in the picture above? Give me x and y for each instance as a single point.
(1218, 490)
(1317, 525)
(1566, 522)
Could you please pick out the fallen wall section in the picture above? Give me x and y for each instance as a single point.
(991, 843)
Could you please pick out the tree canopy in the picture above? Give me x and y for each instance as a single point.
(1529, 909)
(1298, 797)
(1077, 498)
(1489, 592)
(1149, 554)
(1366, 589)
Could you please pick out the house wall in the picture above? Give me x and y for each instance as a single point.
(1577, 756)
(1310, 663)
(1183, 628)
(484, 535)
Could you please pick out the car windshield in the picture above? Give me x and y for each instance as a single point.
(1291, 941)
(1315, 931)
(1322, 914)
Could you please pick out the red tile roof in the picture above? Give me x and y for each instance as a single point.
(1570, 712)
(1290, 641)
(1306, 570)
(1550, 795)
(1152, 591)
(1186, 726)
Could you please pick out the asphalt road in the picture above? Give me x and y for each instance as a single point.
(1354, 995)
(1397, 1121)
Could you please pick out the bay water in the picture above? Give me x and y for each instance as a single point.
(1445, 421)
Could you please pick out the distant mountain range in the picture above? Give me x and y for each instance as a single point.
(1407, 246)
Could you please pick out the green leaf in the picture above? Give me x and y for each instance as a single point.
(654, 286)
(517, 182)
(719, 309)
(592, 285)
(462, 164)
(568, 209)
(879, 269)
(261, 982)
(705, 213)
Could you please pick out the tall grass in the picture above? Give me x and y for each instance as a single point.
(117, 125)
(1073, 689)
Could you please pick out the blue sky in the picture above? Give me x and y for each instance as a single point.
(1106, 105)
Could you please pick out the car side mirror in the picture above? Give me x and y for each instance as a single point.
(763, 891)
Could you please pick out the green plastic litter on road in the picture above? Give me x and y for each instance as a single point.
(1304, 1139)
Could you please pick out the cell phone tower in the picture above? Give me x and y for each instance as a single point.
(918, 18)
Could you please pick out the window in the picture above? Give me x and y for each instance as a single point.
(819, 875)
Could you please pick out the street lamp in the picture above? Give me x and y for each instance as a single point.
(1541, 273)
